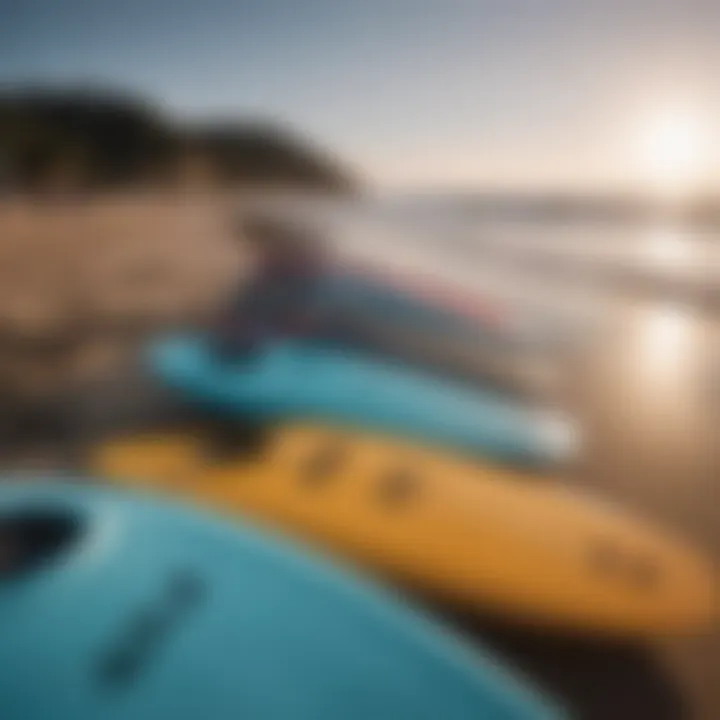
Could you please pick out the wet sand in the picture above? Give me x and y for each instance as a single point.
(649, 402)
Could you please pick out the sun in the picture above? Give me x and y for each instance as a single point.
(674, 147)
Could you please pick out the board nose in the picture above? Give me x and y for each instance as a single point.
(559, 436)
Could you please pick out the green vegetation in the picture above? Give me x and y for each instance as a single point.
(94, 139)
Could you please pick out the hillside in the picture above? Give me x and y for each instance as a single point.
(94, 139)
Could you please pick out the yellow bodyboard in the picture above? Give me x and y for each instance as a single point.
(477, 536)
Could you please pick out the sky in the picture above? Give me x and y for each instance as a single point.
(456, 94)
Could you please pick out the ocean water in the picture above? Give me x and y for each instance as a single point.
(575, 277)
(657, 256)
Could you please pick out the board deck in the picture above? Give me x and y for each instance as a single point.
(361, 294)
(359, 312)
(299, 380)
(149, 610)
(474, 535)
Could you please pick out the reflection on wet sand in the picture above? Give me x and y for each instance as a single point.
(646, 397)
(650, 414)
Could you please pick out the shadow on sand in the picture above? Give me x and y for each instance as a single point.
(595, 678)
